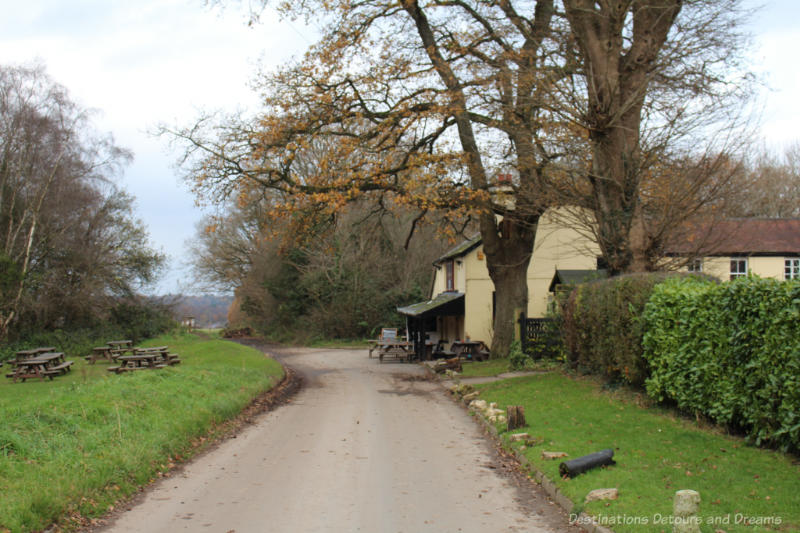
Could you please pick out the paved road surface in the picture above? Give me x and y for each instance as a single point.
(363, 446)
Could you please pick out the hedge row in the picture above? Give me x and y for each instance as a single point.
(602, 328)
(730, 351)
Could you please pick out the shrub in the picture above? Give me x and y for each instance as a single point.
(517, 359)
(602, 329)
(730, 352)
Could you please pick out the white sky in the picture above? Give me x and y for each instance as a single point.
(147, 62)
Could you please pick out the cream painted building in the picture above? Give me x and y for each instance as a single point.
(462, 295)
(769, 248)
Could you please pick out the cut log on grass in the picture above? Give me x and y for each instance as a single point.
(587, 462)
(516, 417)
(554, 455)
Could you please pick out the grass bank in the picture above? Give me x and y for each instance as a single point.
(74, 446)
(657, 454)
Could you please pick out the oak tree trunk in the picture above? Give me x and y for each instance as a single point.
(508, 254)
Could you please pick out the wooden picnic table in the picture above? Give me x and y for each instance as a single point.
(162, 351)
(44, 365)
(402, 350)
(140, 361)
(120, 347)
(33, 352)
(100, 352)
(474, 350)
(145, 358)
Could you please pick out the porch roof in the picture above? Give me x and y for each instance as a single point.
(444, 304)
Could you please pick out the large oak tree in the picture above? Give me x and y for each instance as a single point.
(421, 104)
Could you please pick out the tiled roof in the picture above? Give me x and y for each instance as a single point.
(460, 249)
(746, 236)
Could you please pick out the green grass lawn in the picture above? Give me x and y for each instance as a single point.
(492, 367)
(75, 445)
(656, 453)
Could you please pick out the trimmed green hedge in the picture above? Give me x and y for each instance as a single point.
(730, 351)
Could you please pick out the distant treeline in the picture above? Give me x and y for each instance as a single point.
(209, 311)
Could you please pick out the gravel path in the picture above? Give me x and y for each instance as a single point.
(363, 446)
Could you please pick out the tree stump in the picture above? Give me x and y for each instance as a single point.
(516, 417)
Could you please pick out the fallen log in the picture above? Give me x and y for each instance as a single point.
(580, 465)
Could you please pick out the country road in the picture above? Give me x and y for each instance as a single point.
(363, 446)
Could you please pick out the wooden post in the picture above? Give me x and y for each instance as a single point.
(522, 333)
(685, 507)
(516, 417)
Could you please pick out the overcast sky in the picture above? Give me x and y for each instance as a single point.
(147, 62)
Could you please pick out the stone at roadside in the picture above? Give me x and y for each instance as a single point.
(518, 436)
(471, 396)
(554, 455)
(479, 405)
(602, 494)
(685, 509)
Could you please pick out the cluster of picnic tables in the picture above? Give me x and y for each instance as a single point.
(128, 357)
(46, 362)
(389, 345)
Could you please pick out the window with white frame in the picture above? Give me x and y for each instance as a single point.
(738, 267)
(792, 268)
(695, 265)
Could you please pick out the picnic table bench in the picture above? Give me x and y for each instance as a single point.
(100, 352)
(162, 351)
(400, 350)
(387, 334)
(33, 352)
(120, 347)
(473, 350)
(145, 358)
(137, 362)
(43, 365)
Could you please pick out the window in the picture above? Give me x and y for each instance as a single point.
(451, 278)
(792, 268)
(695, 265)
(738, 268)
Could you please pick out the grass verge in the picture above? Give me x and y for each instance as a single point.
(656, 453)
(495, 367)
(71, 447)
(492, 367)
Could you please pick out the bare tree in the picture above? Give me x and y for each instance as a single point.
(770, 185)
(58, 206)
(659, 78)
